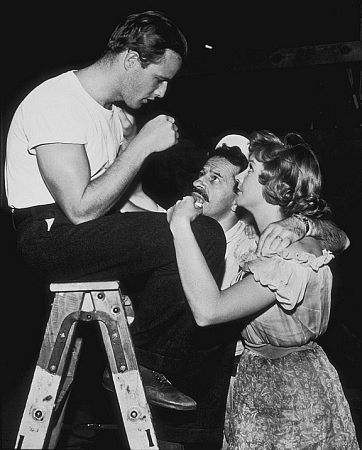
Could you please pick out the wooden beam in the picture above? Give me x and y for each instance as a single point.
(341, 52)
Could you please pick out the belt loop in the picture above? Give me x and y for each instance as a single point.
(34, 212)
(12, 219)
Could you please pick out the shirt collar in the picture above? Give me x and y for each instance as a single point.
(234, 231)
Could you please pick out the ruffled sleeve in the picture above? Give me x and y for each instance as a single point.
(287, 274)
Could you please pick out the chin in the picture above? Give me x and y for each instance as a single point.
(134, 104)
(137, 105)
(206, 212)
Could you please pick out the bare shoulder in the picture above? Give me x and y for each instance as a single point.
(308, 245)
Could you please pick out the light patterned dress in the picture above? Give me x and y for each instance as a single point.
(287, 395)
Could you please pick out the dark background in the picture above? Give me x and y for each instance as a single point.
(232, 87)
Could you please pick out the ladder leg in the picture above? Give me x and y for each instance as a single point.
(62, 400)
(49, 372)
(127, 381)
(36, 417)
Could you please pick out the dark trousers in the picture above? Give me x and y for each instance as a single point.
(137, 249)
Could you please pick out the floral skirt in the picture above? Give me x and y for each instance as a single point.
(293, 402)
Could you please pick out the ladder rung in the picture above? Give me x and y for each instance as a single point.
(86, 286)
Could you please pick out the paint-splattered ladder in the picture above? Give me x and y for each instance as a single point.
(42, 419)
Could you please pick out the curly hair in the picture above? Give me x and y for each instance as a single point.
(291, 174)
(149, 34)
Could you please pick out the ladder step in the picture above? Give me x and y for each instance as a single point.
(53, 376)
(85, 286)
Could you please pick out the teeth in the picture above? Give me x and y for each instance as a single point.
(198, 199)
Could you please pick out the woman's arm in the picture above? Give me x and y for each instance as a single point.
(209, 305)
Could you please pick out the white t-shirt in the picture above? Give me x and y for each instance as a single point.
(241, 243)
(57, 111)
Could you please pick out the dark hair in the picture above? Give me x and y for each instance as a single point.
(233, 154)
(291, 174)
(148, 33)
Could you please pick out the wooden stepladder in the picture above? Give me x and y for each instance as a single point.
(49, 391)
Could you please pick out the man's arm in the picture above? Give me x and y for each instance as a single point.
(66, 172)
(279, 235)
(332, 238)
(139, 201)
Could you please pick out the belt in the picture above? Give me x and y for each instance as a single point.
(49, 211)
(273, 352)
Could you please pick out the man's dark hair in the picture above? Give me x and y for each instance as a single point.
(148, 33)
(232, 154)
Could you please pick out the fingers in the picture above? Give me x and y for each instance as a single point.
(198, 201)
(174, 127)
(249, 231)
(183, 210)
(277, 236)
(169, 213)
(276, 244)
(171, 210)
(189, 201)
(158, 134)
(272, 240)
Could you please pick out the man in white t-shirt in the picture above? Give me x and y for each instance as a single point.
(72, 153)
(68, 141)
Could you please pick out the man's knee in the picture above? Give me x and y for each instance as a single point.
(210, 236)
(211, 239)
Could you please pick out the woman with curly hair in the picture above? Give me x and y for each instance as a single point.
(286, 394)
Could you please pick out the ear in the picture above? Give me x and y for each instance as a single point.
(131, 59)
(233, 207)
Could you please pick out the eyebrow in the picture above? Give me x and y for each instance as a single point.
(211, 170)
(217, 173)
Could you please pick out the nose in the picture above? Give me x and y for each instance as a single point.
(240, 177)
(161, 90)
(198, 183)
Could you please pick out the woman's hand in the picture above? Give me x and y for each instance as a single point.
(183, 212)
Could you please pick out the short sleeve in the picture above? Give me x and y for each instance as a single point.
(287, 279)
(54, 120)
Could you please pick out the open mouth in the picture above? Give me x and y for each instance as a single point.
(200, 195)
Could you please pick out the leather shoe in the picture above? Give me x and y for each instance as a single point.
(158, 389)
(160, 392)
